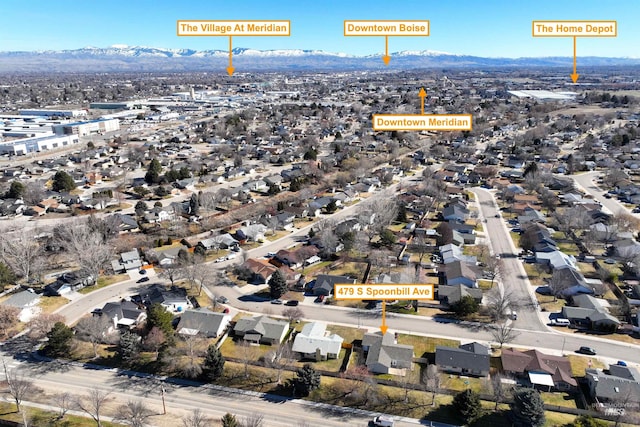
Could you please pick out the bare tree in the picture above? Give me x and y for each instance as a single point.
(492, 267)
(561, 281)
(293, 314)
(93, 329)
(154, 340)
(41, 324)
(253, 420)
(93, 403)
(279, 359)
(8, 319)
(64, 401)
(503, 333)
(385, 209)
(196, 419)
(85, 245)
(431, 381)
(190, 350)
(134, 413)
(18, 386)
(22, 252)
(498, 388)
(247, 355)
(499, 302)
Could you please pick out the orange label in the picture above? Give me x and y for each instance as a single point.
(411, 27)
(233, 28)
(432, 122)
(574, 28)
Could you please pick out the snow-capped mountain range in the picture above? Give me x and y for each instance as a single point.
(141, 58)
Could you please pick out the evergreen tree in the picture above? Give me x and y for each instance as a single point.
(194, 204)
(59, 343)
(229, 420)
(213, 364)
(331, 207)
(402, 213)
(528, 407)
(295, 185)
(158, 316)
(467, 403)
(62, 181)
(277, 285)
(7, 276)
(387, 237)
(307, 380)
(153, 173)
(465, 306)
(129, 346)
(16, 190)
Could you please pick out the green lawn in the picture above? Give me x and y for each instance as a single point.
(422, 345)
(565, 400)
(103, 282)
(39, 417)
(231, 348)
(569, 248)
(51, 304)
(348, 334)
(580, 363)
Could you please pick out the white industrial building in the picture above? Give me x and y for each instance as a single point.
(87, 128)
(39, 143)
(53, 113)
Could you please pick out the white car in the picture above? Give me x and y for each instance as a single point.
(221, 259)
(232, 256)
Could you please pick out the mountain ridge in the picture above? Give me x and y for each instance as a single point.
(144, 58)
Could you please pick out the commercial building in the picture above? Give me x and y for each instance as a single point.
(36, 144)
(87, 128)
(53, 113)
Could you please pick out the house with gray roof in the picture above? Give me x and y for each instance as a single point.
(325, 283)
(123, 314)
(26, 301)
(385, 355)
(204, 322)
(261, 330)
(461, 273)
(314, 342)
(620, 384)
(590, 312)
(467, 359)
(448, 295)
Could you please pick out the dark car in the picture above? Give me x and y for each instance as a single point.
(143, 279)
(586, 350)
(293, 302)
(143, 271)
(222, 300)
(319, 299)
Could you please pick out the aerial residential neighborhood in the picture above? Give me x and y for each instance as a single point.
(172, 238)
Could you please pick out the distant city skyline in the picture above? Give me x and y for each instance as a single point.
(492, 28)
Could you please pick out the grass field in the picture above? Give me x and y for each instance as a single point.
(422, 345)
(51, 304)
(103, 282)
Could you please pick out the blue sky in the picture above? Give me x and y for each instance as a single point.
(485, 28)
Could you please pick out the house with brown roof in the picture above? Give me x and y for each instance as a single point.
(261, 271)
(539, 369)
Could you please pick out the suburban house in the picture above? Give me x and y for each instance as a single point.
(555, 260)
(27, 302)
(174, 300)
(385, 355)
(68, 282)
(455, 212)
(620, 385)
(204, 322)
(539, 369)
(128, 261)
(261, 330)
(571, 282)
(261, 271)
(295, 258)
(590, 312)
(448, 295)
(461, 273)
(451, 253)
(467, 359)
(325, 283)
(314, 342)
(123, 314)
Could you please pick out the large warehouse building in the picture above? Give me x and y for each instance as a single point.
(39, 143)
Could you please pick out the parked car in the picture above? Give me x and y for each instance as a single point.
(621, 363)
(559, 322)
(232, 256)
(270, 254)
(143, 271)
(293, 302)
(383, 421)
(586, 350)
(319, 299)
(609, 261)
(143, 279)
(221, 259)
(276, 301)
(222, 299)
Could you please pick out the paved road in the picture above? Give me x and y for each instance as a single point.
(513, 276)
(182, 397)
(586, 182)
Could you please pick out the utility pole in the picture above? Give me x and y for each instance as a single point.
(164, 406)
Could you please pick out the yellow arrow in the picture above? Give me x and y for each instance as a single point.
(422, 94)
(575, 75)
(230, 68)
(386, 58)
(384, 326)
